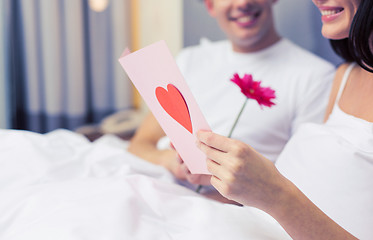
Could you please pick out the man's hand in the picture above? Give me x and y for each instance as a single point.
(181, 170)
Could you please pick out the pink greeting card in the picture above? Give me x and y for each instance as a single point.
(159, 81)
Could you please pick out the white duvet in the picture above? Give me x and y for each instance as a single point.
(61, 186)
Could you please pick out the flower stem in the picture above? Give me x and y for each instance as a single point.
(199, 187)
(238, 117)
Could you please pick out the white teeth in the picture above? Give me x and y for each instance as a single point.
(329, 12)
(245, 19)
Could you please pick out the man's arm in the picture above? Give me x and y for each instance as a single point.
(144, 145)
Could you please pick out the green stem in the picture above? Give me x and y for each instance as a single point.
(199, 187)
(238, 117)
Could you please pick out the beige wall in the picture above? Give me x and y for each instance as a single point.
(155, 20)
(161, 20)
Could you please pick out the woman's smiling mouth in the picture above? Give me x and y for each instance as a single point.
(330, 13)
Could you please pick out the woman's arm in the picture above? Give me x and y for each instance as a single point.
(241, 174)
(302, 219)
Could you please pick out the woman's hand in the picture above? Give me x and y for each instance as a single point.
(240, 173)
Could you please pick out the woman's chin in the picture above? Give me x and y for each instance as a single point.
(333, 34)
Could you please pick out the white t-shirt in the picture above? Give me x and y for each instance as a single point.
(301, 80)
(332, 164)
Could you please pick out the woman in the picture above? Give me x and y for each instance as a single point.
(322, 184)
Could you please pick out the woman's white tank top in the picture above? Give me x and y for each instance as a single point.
(332, 164)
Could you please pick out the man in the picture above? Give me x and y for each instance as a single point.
(301, 81)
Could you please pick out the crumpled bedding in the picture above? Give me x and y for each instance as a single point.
(61, 186)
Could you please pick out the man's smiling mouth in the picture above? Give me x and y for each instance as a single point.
(246, 19)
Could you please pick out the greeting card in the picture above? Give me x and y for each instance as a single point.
(159, 81)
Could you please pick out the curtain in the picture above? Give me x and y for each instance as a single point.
(4, 65)
(65, 72)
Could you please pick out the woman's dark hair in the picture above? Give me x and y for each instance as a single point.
(356, 48)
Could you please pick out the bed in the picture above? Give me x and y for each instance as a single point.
(61, 186)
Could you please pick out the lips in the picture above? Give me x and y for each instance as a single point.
(327, 12)
(330, 13)
(246, 20)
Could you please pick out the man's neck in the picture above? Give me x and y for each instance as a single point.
(257, 44)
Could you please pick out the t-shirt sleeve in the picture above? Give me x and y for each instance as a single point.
(182, 60)
(313, 98)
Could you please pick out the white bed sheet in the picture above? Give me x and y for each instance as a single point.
(61, 186)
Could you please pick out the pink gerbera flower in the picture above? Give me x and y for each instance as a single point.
(252, 89)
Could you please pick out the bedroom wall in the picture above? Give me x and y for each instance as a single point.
(299, 21)
(198, 23)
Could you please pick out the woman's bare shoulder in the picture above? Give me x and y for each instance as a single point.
(335, 87)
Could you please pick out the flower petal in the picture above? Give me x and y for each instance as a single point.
(252, 89)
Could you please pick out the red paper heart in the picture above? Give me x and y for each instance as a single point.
(173, 102)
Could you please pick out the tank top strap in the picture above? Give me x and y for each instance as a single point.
(344, 81)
